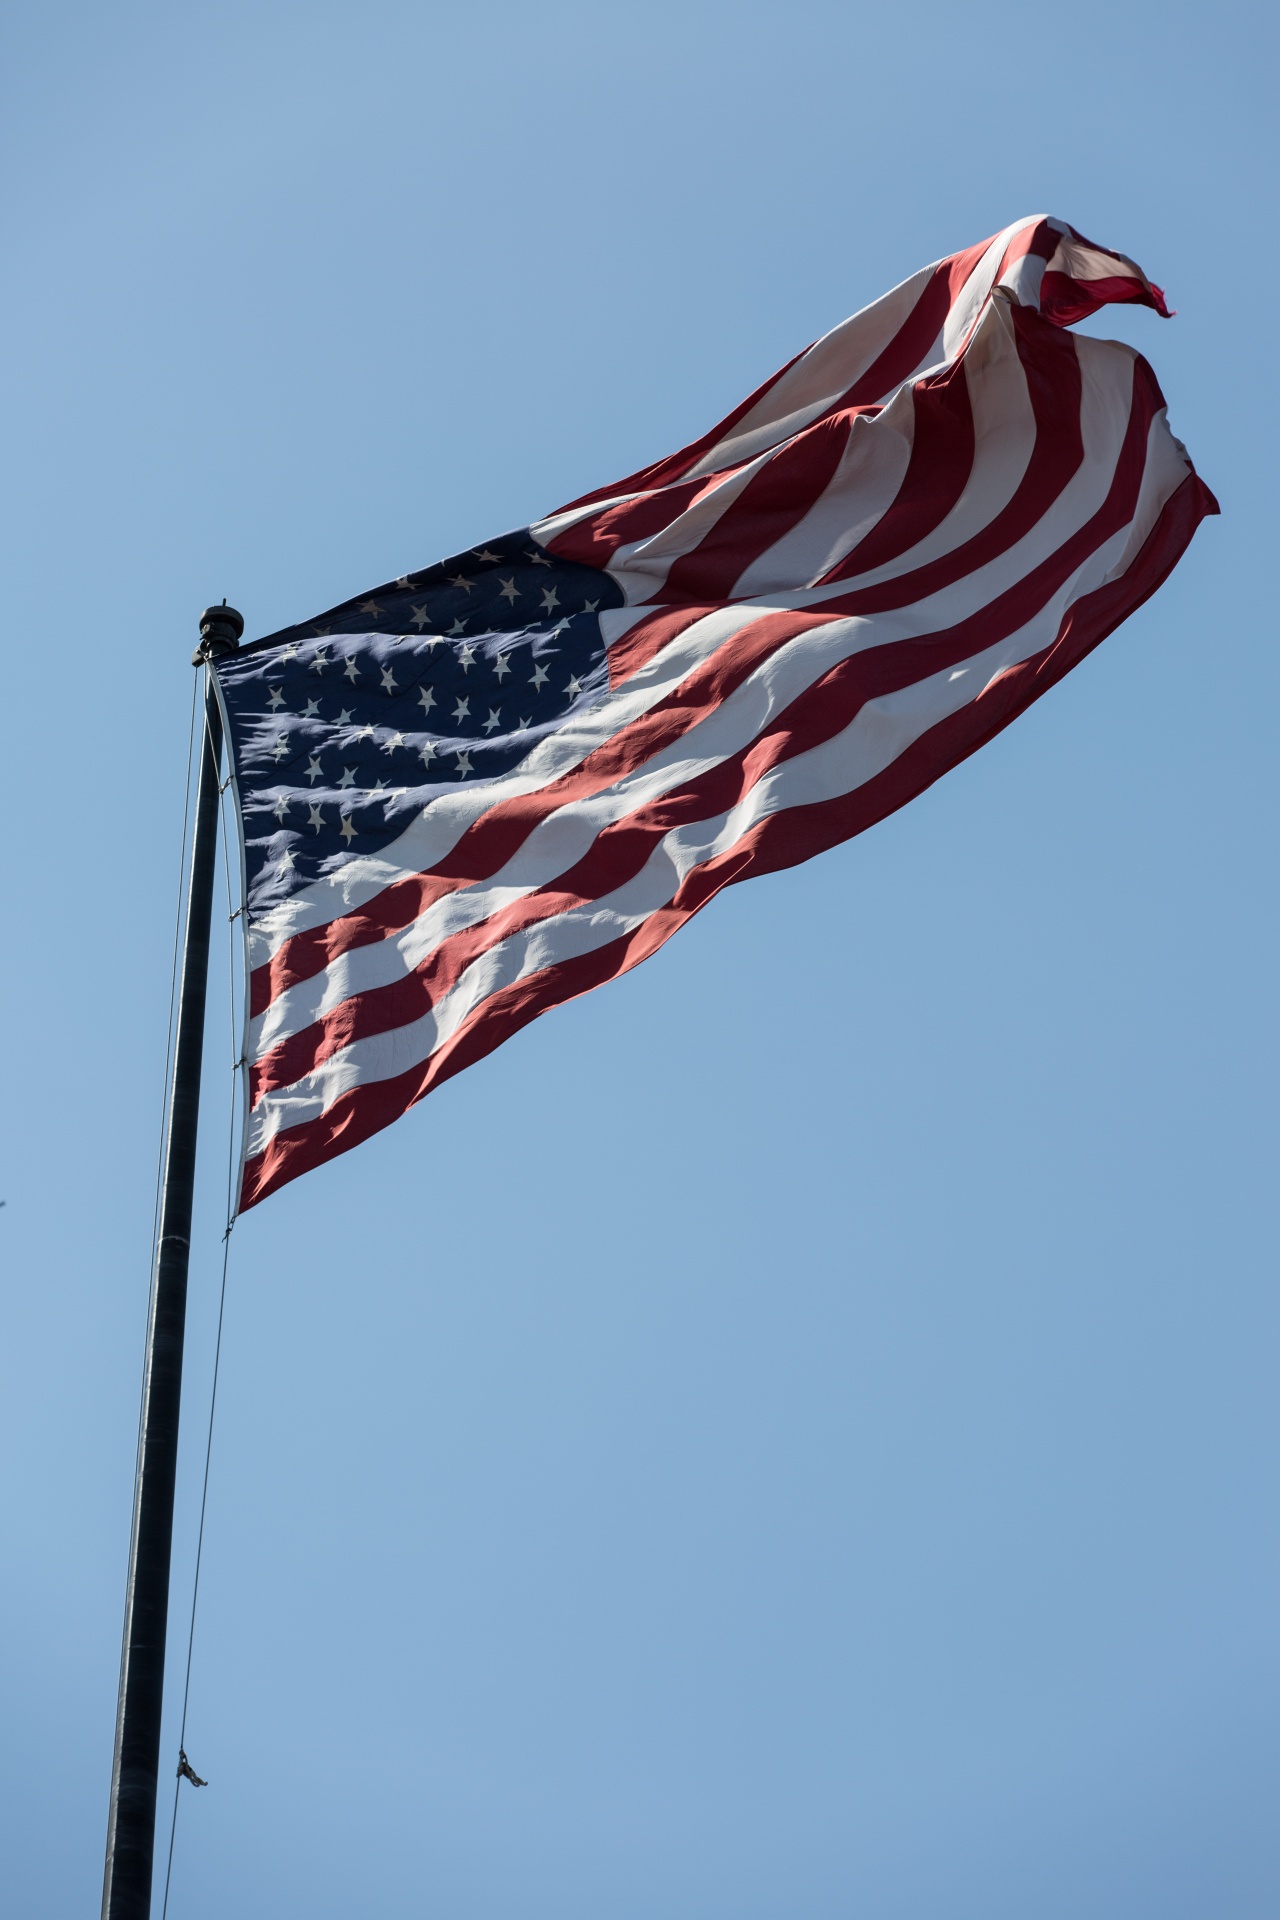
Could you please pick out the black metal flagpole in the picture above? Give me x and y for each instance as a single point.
(131, 1825)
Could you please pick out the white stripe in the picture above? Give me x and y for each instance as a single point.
(1023, 279)
(1084, 263)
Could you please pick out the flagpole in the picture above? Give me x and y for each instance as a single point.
(131, 1823)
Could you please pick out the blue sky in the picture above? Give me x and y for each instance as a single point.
(793, 1433)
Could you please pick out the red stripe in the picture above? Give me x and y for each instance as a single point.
(774, 500)
(647, 638)
(1065, 300)
(942, 451)
(594, 541)
(783, 840)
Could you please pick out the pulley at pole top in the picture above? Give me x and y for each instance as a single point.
(220, 631)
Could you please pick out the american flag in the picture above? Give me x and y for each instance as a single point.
(490, 785)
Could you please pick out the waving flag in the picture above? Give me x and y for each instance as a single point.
(488, 786)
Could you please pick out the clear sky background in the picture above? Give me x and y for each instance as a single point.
(794, 1433)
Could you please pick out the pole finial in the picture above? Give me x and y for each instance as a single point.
(220, 630)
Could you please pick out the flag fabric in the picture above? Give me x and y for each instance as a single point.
(492, 784)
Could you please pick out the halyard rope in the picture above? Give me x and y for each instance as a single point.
(165, 1093)
(185, 1769)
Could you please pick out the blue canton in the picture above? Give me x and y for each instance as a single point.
(344, 727)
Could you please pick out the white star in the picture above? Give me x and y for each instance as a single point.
(313, 770)
(490, 559)
(492, 721)
(311, 709)
(290, 652)
(365, 733)
(321, 661)
(347, 831)
(316, 820)
(370, 606)
(462, 709)
(523, 725)
(420, 617)
(550, 598)
(396, 740)
(404, 580)
(277, 699)
(464, 765)
(426, 699)
(500, 667)
(509, 591)
(574, 687)
(466, 656)
(589, 606)
(461, 580)
(351, 670)
(286, 861)
(344, 718)
(280, 749)
(388, 680)
(379, 786)
(281, 808)
(427, 753)
(459, 626)
(538, 559)
(348, 777)
(540, 678)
